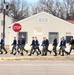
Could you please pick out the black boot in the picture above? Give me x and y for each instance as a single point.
(1, 52)
(42, 55)
(40, 52)
(29, 55)
(49, 51)
(27, 52)
(18, 52)
(6, 52)
(37, 54)
(62, 55)
(14, 54)
(11, 53)
(22, 54)
(55, 55)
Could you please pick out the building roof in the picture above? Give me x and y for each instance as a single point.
(50, 15)
(71, 21)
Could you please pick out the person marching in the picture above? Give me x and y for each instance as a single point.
(2, 45)
(1, 49)
(60, 49)
(44, 46)
(55, 45)
(14, 45)
(37, 45)
(1, 52)
(47, 45)
(63, 46)
(72, 45)
(33, 47)
(18, 46)
(23, 42)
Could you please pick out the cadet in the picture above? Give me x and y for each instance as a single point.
(55, 45)
(37, 45)
(18, 46)
(2, 45)
(33, 47)
(60, 49)
(47, 45)
(1, 49)
(72, 44)
(44, 46)
(23, 42)
(14, 45)
(63, 46)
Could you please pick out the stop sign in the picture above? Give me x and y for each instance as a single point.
(16, 27)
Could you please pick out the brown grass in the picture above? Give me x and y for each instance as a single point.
(52, 58)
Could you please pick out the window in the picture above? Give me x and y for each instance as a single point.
(68, 38)
(25, 35)
(51, 37)
(1, 34)
(38, 30)
(1, 22)
(43, 20)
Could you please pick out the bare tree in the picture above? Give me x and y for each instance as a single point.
(36, 9)
(64, 9)
(47, 5)
(69, 8)
(17, 9)
(43, 5)
(1, 6)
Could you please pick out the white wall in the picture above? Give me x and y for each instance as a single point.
(47, 23)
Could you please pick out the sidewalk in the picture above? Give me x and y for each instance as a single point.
(34, 57)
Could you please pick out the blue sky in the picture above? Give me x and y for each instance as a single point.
(31, 1)
(35, 1)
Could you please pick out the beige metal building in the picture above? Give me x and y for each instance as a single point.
(42, 25)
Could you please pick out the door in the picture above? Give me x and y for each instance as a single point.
(51, 37)
(25, 34)
(68, 39)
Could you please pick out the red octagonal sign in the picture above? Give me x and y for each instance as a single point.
(16, 27)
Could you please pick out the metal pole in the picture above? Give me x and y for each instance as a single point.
(4, 20)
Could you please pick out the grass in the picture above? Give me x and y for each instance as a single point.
(49, 57)
(52, 58)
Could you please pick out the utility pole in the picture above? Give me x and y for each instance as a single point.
(4, 7)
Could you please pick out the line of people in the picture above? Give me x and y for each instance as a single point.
(35, 46)
(45, 44)
(20, 46)
(62, 46)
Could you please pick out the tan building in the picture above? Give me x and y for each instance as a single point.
(8, 21)
(43, 25)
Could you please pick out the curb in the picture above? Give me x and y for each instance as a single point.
(52, 58)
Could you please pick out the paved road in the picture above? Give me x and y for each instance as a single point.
(36, 67)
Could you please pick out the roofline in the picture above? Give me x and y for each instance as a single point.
(39, 14)
(27, 18)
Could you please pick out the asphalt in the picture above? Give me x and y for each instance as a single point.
(36, 67)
